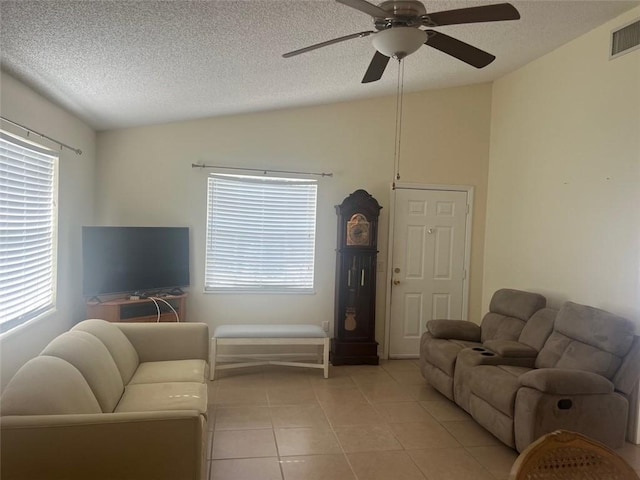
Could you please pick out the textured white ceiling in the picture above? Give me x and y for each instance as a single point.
(127, 63)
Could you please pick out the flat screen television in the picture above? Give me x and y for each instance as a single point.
(134, 259)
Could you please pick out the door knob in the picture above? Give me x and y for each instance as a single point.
(396, 282)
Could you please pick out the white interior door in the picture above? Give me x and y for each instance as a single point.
(428, 267)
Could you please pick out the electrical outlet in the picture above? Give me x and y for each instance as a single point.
(325, 326)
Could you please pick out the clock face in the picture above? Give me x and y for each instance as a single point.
(358, 230)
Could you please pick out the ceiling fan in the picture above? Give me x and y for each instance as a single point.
(398, 31)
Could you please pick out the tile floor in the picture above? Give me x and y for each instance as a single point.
(363, 423)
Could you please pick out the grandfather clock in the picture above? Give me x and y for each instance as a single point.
(354, 340)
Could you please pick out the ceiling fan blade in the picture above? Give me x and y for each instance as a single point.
(328, 42)
(484, 13)
(366, 7)
(376, 68)
(458, 49)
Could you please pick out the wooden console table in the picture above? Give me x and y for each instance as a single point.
(143, 310)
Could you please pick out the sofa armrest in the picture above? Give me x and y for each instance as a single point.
(510, 348)
(563, 381)
(454, 329)
(168, 341)
(156, 445)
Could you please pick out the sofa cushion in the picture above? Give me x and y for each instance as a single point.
(93, 360)
(497, 385)
(154, 397)
(442, 353)
(170, 371)
(121, 349)
(48, 386)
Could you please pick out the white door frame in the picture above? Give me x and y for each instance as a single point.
(469, 189)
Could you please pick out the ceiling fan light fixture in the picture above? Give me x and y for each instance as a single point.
(398, 42)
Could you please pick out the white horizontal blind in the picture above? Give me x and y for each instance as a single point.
(27, 230)
(260, 234)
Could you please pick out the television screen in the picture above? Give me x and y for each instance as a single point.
(134, 259)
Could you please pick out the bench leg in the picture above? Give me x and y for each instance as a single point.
(325, 358)
(212, 362)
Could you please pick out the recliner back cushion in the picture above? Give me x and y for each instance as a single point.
(538, 328)
(587, 338)
(508, 312)
(500, 327)
(122, 351)
(48, 386)
(93, 360)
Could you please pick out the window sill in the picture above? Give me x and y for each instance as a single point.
(28, 324)
(249, 291)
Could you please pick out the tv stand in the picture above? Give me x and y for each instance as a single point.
(142, 310)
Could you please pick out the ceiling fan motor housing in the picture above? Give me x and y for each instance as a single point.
(406, 13)
(398, 42)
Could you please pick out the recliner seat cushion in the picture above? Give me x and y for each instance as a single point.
(443, 353)
(497, 385)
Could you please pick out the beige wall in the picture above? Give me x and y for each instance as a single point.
(145, 178)
(564, 177)
(75, 208)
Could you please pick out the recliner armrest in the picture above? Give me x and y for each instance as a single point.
(563, 381)
(510, 348)
(454, 329)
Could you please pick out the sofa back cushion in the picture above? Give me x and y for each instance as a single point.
(48, 386)
(538, 328)
(122, 351)
(509, 310)
(587, 338)
(93, 360)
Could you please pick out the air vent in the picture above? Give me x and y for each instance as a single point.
(625, 39)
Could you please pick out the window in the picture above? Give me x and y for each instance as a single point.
(27, 230)
(260, 234)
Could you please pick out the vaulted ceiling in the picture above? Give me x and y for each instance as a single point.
(126, 63)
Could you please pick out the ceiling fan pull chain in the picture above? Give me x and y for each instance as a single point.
(397, 129)
(401, 73)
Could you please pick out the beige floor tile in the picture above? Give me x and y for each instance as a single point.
(423, 435)
(290, 377)
(497, 459)
(372, 376)
(344, 381)
(367, 438)
(306, 441)
(241, 418)
(384, 466)
(392, 366)
(408, 378)
(241, 377)
(291, 395)
(211, 416)
(351, 414)
(445, 410)
(400, 412)
(384, 392)
(423, 392)
(298, 416)
(449, 464)
(341, 396)
(243, 444)
(317, 467)
(234, 396)
(470, 434)
(246, 469)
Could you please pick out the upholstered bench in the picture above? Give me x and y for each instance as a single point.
(268, 335)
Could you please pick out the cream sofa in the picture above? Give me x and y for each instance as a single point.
(110, 401)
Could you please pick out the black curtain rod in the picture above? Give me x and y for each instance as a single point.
(261, 170)
(29, 130)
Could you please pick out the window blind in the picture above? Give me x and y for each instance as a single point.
(27, 230)
(260, 234)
